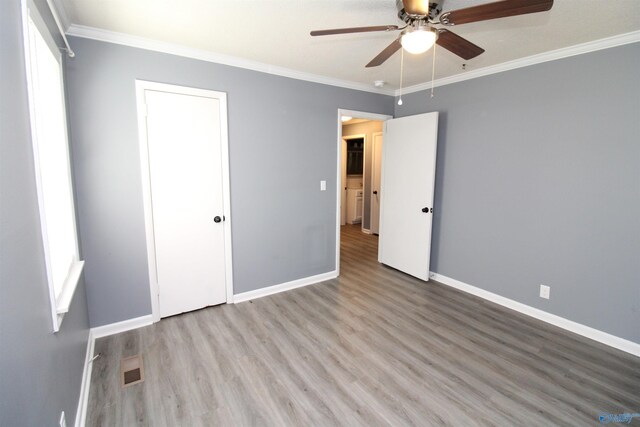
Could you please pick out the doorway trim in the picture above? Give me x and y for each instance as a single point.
(141, 86)
(356, 115)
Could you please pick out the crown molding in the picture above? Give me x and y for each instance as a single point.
(233, 61)
(203, 55)
(553, 55)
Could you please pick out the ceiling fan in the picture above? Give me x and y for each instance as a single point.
(420, 17)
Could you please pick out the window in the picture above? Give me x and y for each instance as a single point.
(51, 160)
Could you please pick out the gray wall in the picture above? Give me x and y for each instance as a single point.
(365, 128)
(538, 181)
(282, 137)
(40, 372)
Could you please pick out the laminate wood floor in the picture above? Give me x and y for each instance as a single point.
(373, 347)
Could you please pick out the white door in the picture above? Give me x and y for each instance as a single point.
(408, 176)
(374, 227)
(185, 171)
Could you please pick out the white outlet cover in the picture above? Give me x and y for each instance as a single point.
(545, 291)
(323, 185)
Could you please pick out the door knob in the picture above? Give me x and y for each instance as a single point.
(375, 192)
(217, 219)
(427, 210)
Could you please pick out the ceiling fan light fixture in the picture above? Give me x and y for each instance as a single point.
(418, 41)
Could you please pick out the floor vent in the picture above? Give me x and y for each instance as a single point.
(131, 371)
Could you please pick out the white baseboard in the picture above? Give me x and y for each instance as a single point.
(569, 325)
(270, 290)
(83, 399)
(139, 322)
(125, 325)
(95, 333)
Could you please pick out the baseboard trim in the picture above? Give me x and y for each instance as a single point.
(83, 399)
(569, 325)
(125, 325)
(275, 289)
(95, 333)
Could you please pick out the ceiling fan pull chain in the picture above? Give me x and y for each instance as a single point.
(433, 70)
(401, 70)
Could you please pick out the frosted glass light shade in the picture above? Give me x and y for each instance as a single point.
(418, 41)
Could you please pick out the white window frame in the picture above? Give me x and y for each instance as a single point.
(59, 303)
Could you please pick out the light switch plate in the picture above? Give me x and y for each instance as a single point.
(545, 291)
(323, 185)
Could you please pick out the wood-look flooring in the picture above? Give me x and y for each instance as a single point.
(372, 347)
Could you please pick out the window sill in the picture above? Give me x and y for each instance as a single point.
(63, 301)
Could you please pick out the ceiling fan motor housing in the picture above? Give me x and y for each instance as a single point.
(435, 7)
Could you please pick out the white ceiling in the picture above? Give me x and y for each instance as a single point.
(276, 32)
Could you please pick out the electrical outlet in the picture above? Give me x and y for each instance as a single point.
(63, 421)
(545, 291)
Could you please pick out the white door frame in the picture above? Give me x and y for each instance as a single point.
(365, 149)
(359, 115)
(141, 86)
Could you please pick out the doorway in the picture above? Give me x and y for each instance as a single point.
(408, 178)
(352, 177)
(184, 164)
(357, 131)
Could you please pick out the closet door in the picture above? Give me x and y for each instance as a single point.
(185, 174)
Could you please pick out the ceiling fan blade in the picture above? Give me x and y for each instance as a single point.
(458, 45)
(416, 7)
(354, 30)
(385, 54)
(499, 9)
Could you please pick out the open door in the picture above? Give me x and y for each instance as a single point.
(406, 193)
